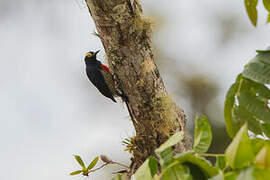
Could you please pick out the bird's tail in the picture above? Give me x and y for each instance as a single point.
(122, 95)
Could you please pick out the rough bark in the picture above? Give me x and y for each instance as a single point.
(125, 35)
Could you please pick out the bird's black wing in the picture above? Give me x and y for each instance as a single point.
(96, 77)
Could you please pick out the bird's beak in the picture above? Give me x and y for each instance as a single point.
(96, 52)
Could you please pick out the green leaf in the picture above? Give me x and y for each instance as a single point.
(153, 165)
(254, 96)
(120, 177)
(228, 176)
(165, 152)
(254, 173)
(173, 140)
(177, 172)
(93, 163)
(266, 129)
(251, 8)
(196, 171)
(166, 156)
(147, 170)
(240, 114)
(117, 177)
(80, 161)
(263, 50)
(202, 135)
(257, 144)
(246, 174)
(261, 173)
(202, 163)
(263, 157)
(231, 175)
(231, 125)
(247, 101)
(258, 69)
(220, 176)
(239, 153)
(252, 103)
(255, 106)
(221, 162)
(76, 172)
(266, 4)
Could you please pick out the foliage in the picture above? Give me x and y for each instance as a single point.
(245, 158)
(258, 69)
(239, 153)
(188, 165)
(147, 169)
(202, 135)
(120, 177)
(106, 161)
(130, 145)
(248, 98)
(251, 8)
(85, 171)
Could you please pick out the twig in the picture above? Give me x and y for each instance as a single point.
(107, 163)
(212, 155)
(120, 164)
(103, 165)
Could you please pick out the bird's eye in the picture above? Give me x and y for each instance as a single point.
(89, 54)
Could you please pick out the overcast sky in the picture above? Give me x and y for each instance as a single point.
(49, 111)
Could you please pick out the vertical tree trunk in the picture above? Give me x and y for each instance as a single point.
(125, 35)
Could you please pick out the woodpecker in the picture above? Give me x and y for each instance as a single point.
(100, 75)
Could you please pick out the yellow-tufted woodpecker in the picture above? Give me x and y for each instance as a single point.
(101, 77)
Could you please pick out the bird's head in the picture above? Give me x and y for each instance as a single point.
(91, 56)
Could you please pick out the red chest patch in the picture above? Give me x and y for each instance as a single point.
(105, 68)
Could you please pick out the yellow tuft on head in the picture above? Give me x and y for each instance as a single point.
(89, 54)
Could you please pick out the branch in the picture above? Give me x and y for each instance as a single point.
(126, 37)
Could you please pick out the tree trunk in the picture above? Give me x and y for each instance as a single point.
(125, 35)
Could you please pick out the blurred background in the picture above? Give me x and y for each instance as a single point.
(49, 111)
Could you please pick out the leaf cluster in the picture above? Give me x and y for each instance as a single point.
(244, 159)
(247, 100)
(84, 170)
(251, 8)
(188, 165)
